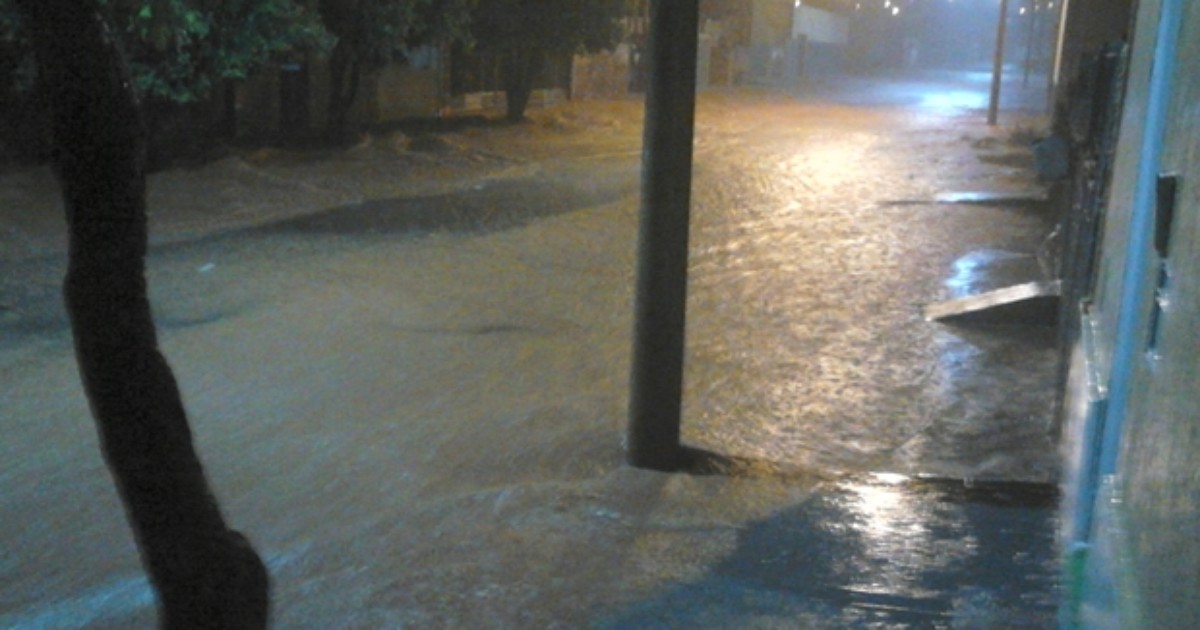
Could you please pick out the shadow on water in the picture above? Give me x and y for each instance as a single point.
(48, 317)
(29, 309)
(702, 462)
(489, 207)
(881, 551)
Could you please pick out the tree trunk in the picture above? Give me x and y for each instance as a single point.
(520, 69)
(229, 118)
(206, 575)
(344, 75)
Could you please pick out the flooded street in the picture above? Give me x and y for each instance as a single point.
(808, 344)
(407, 374)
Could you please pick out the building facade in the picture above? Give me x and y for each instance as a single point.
(1131, 412)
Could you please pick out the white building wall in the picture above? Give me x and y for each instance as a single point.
(817, 25)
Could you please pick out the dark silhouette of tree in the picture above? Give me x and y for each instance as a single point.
(180, 53)
(524, 32)
(205, 574)
(179, 50)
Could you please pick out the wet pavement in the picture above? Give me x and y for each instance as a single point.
(410, 391)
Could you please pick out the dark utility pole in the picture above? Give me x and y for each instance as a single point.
(657, 377)
(998, 65)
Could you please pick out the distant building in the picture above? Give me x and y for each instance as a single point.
(793, 43)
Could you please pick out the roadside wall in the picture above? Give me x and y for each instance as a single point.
(400, 92)
(601, 75)
(770, 33)
(267, 107)
(821, 38)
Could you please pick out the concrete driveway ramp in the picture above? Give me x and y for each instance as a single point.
(1028, 303)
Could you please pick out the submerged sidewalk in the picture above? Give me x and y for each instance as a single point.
(883, 551)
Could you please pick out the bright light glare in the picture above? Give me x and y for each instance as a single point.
(953, 99)
(895, 10)
(882, 508)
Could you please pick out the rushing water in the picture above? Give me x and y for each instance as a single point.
(411, 397)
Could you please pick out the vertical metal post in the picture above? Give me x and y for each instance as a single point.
(998, 65)
(1060, 39)
(656, 390)
(1031, 31)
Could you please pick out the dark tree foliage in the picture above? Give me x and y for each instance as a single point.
(523, 32)
(179, 52)
(372, 33)
(22, 125)
(205, 574)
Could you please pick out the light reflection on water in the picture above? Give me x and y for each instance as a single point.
(893, 535)
(825, 161)
(888, 551)
(954, 99)
(914, 537)
(974, 271)
(794, 299)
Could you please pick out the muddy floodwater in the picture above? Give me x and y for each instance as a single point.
(406, 365)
